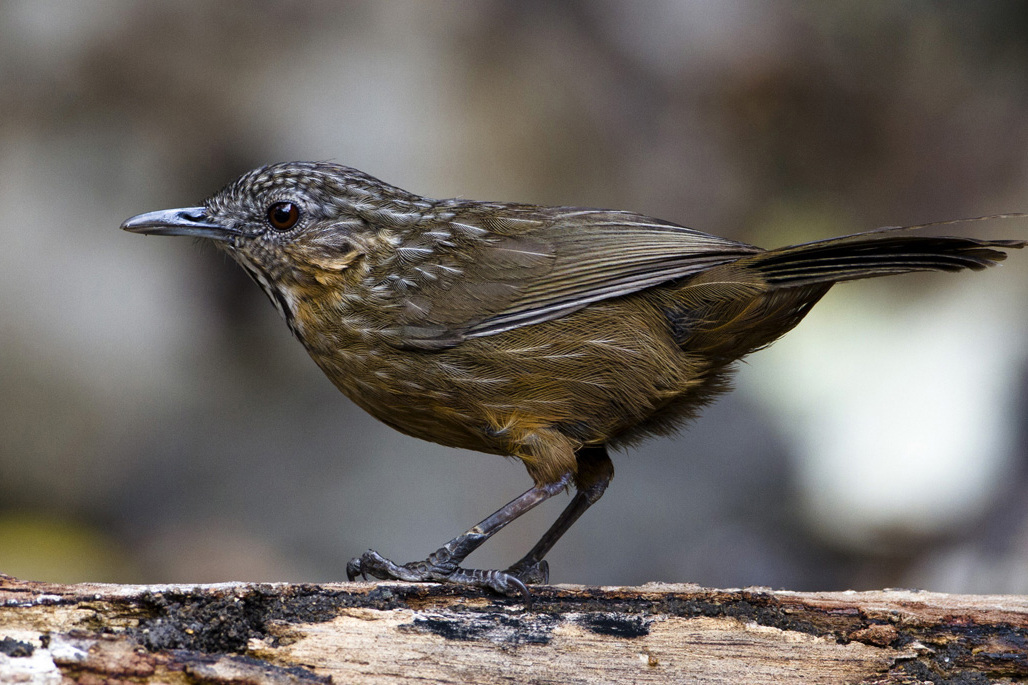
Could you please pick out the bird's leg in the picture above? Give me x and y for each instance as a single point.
(443, 565)
(594, 473)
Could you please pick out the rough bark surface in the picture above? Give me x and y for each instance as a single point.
(398, 633)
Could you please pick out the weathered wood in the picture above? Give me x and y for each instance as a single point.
(397, 633)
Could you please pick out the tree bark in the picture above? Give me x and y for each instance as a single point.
(400, 633)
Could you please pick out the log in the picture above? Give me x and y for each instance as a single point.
(403, 633)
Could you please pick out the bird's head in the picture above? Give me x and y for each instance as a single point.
(296, 227)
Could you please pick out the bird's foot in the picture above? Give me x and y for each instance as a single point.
(438, 568)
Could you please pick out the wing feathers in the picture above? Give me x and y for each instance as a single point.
(512, 271)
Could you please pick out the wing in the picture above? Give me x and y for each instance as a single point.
(484, 271)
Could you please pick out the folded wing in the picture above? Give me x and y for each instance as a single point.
(483, 273)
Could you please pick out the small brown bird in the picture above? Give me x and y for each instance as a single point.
(542, 333)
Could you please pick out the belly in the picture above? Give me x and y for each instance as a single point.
(591, 376)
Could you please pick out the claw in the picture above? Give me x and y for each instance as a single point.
(526, 596)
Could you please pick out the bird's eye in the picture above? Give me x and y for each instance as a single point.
(283, 215)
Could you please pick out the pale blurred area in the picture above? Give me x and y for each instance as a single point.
(158, 422)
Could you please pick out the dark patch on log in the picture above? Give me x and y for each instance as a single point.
(922, 672)
(616, 625)
(490, 627)
(12, 647)
(1000, 650)
(224, 621)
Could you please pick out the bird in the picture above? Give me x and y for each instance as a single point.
(549, 334)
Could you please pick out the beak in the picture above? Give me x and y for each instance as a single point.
(191, 221)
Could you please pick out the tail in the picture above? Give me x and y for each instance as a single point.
(882, 252)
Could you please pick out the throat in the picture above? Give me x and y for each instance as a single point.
(283, 300)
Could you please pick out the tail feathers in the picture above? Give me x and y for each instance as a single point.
(877, 254)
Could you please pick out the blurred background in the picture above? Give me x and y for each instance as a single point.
(158, 422)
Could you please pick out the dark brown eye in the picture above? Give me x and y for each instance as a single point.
(283, 215)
